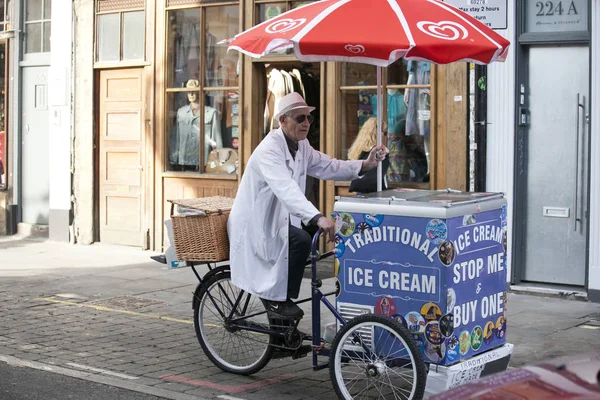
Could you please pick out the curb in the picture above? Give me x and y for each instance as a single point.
(549, 292)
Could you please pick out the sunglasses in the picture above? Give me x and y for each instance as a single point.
(301, 118)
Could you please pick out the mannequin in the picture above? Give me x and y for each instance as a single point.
(185, 139)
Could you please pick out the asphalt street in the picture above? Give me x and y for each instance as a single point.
(23, 383)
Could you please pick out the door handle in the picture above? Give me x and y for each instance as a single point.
(578, 143)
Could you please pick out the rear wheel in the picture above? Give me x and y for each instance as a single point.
(374, 357)
(228, 345)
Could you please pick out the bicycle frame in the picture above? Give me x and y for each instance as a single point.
(317, 297)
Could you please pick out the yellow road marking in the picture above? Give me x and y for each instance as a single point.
(52, 299)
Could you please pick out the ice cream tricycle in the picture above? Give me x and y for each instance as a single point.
(419, 300)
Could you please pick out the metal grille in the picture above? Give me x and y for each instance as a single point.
(349, 311)
(119, 5)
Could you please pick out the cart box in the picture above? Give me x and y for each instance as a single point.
(433, 260)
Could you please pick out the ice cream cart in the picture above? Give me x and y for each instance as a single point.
(436, 262)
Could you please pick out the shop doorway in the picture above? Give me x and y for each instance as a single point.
(120, 156)
(556, 167)
(304, 78)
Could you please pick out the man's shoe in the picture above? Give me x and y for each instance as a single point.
(283, 309)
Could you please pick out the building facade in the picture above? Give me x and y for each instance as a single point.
(28, 139)
(144, 69)
(543, 149)
(102, 122)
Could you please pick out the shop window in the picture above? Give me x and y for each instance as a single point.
(37, 26)
(406, 115)
(121, 30)
(269, 9)
(202, 75)
(6, 7)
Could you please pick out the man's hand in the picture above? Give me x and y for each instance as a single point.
(378, 153)
(328, 228)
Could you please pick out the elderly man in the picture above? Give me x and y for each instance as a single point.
(268, 248)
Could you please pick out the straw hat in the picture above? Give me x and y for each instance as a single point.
(192, 84)
(289, 102)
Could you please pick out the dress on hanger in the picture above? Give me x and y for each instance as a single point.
(418, 100)
(275, 91)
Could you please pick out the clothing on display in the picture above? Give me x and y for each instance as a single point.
(185, 139)
(211, 64)
(418, 101)
(408, 120)
(399, 170)
(187, 54)
(226, 101)
(211, 73)
(281, 82)
(418, 119)
(187, 51)
(365, 106)
(396, 110)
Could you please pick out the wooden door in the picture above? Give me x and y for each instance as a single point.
(121, 140)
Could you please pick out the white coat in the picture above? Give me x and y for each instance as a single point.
(269, 198)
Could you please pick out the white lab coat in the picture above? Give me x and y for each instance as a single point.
(270, 192)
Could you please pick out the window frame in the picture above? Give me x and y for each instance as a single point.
(120, 62)
(43, 21)
(348, 89)
(169, 90)
(6, 22)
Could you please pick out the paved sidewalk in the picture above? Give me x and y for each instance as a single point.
(111, 315)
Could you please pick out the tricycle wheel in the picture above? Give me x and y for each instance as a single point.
(227, 344)
(375, 357)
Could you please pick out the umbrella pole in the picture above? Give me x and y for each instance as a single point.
(379, 124)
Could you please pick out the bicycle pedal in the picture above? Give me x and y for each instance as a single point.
(284, 352)
(302, 352)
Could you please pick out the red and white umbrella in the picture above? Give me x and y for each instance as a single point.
(376, 32)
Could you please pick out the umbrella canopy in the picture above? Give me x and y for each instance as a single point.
(377, 32)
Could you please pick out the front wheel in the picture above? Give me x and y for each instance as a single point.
(375, 357)
(228, 345)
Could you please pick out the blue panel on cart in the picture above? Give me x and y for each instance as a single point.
(443, 279)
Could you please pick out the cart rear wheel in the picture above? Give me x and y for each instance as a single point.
(374, 357)
(229, 347)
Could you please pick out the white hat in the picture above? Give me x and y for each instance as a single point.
(289, 102)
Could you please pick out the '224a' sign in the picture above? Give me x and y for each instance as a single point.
(549, 9)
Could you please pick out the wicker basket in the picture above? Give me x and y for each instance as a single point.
(202, 237)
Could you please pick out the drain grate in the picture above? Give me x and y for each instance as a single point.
(126, 303)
